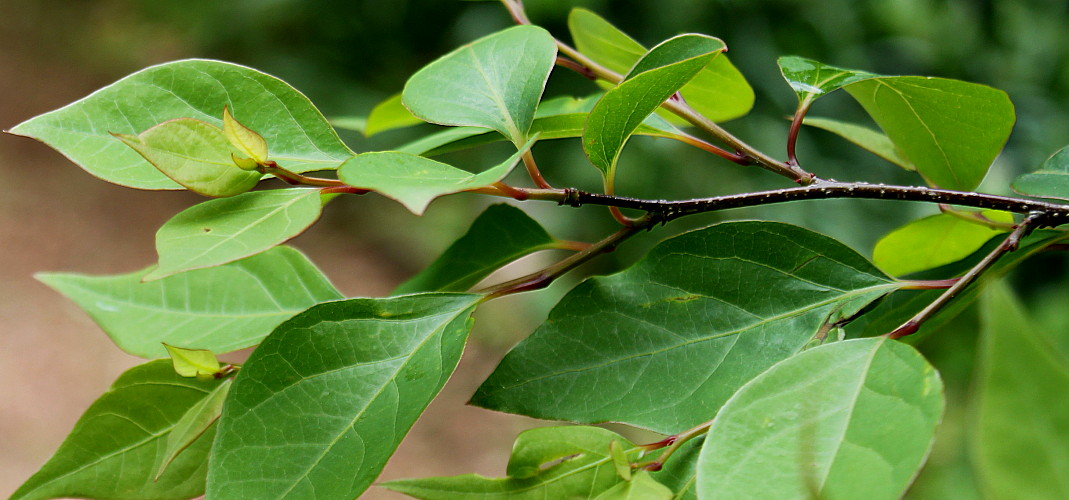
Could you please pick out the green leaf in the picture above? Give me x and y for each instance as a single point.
(852, 419)
(718, 91)
(623, 347)
(866, 138)
(322, 404)
(642, 487)
(389, 115)
(415, 181)
(220, 231)
(680, 471)
(1050, 181)
(620, 461)
(193, 362)
(300, 137)
(114, 447)
(251, 144)
(951, 130)
(812, 79)
(223, 309)
(655, 77)
(197, 420)
(932, 242)
(546, 462)
(1021, 427)
(500, 235)
(195, 154)
(493, 82)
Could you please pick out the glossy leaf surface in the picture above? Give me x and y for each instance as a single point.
(658, 75)
(1050, 181)
(1021, 430)
(813, 79)
(113, 449)
(502, 233)
(415, 181)
(933, 241)
(223, 309)
(195, 154)
(718, 91)
(851, 419)
(546, 462)
(301, 139)
(866, 138)
(623, 347)
(331, 393)
(220, 231)
(951, 130)
(493, 82)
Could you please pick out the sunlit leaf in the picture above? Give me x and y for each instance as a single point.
(195, 154)
(871, 140)
(494, 82)
(718, 91)
(502, 233)
(193, 362)
(546, 462)
(655, 77)
(389, 115)
(219, 231)
(623, 347)
(223, 309)
(1050, 181)
(949, 129)
(112, 450)
(851, 419)
(301, 139)
(1021, 427)
(322, 404)
(933, 241)
(415, 181)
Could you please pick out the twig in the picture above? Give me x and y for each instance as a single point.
(1008, 245)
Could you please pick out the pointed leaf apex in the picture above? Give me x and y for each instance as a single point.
(244, 139)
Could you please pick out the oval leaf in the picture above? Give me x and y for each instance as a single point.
(502, 233)
(193, 362)
(415, 181)
(852, 419)
(220, 231)
(195, 154)
(951, 130)
(1021, 427)
(812, 79)
(654, 78)
(224, 309)
(493, 82)
(300, 137)
(331, 393)
(546, 462)
(1050, 181)
(622, 347)
(932, 242)
(112, 450)
(718, 91)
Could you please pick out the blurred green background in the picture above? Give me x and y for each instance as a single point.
(348, 55)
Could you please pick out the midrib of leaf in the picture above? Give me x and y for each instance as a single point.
(842, 298)
(134, 446)
(850, 415)
(935, 141)
(499, 101)
(352, 423)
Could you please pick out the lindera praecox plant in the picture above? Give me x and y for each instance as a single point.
(734, 341)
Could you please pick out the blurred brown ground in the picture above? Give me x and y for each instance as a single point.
(54, 361)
